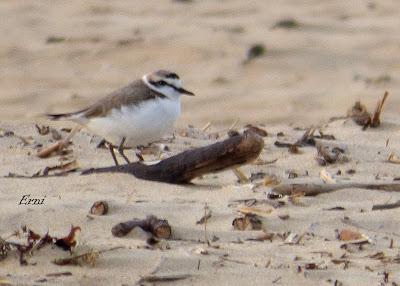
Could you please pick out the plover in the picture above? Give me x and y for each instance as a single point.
(135, 115)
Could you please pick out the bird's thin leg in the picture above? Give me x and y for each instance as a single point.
(111, 148)
(138, 153)
(121, 150)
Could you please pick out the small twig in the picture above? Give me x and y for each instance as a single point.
(208, 125)
(162, 278)
(75, 259)
(58, 146)
(313, 189)
(240, 175)
(205, 224)
(386, 206)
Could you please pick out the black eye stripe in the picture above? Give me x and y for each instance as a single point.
(162, 83)
(172, 75)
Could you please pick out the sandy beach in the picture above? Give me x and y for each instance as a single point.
(62, 56)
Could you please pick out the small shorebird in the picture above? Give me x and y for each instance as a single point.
(135, 115)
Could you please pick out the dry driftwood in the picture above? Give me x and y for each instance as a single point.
(313, 189)
(182, 168)
(158, 227)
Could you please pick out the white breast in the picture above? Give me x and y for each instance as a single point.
(139, 124)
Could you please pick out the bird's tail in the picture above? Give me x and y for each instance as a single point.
(65, 116)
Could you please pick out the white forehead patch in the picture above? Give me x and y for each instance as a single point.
(174, 81)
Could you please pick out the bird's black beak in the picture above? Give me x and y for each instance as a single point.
(184, 91)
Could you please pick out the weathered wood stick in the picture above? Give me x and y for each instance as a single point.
(158, 227)
(313, 189)
(182, 168)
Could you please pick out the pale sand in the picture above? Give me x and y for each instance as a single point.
(69, 198)
(307, 75)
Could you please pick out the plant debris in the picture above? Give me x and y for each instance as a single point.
(288, 23)
(89, 257)
(4, 249)
(348, 235)
(330, 154)
(42, 130)
(61, 169)
(248, 222)
(54, 148)
(255, 51)
(262, 212)
(393, 158)
(54, 40)
(259, 131)
(69, 242)
(361, 116)
(205, 217)
(33, 242)
(158, 227)
(307, 139)
(162, 278)
(326, 177)
(58, 170)
(386, 206)
(99, 208)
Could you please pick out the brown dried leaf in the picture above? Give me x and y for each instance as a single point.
(70, 241)
(347, 235)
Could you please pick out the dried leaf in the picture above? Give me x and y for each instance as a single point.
(330, 154)
(347, 235)
(69, 242)
(393, 159)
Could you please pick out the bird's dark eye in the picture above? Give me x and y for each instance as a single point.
(161, 82)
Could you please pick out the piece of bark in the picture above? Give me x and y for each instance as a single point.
(99, 208)
(313, 189)
(158, 227)
(184, 167)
